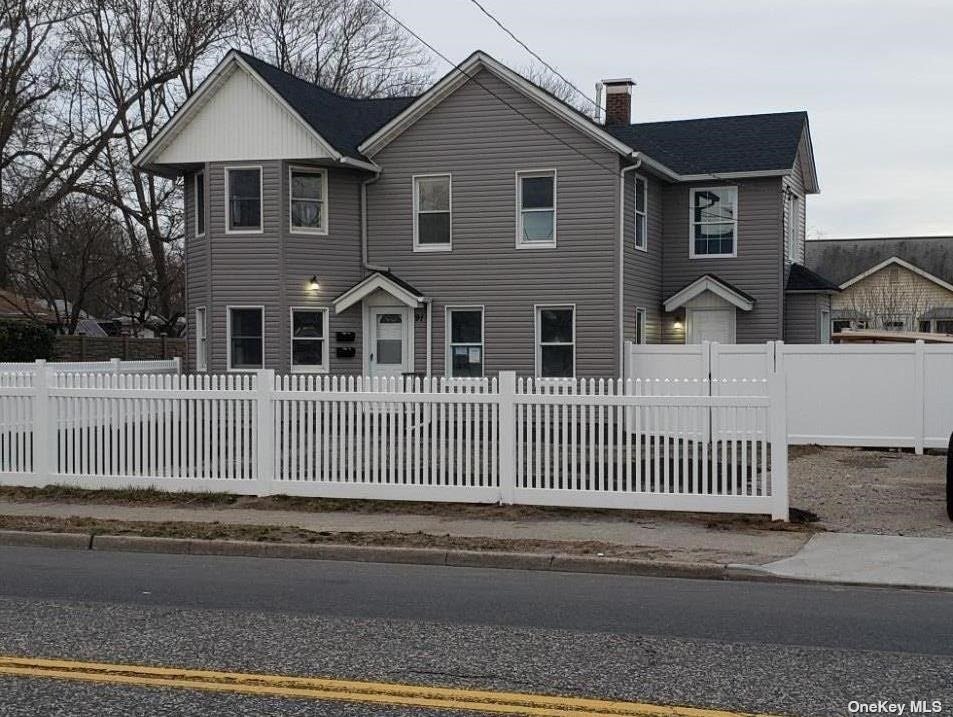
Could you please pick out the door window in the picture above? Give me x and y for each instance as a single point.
(390, 339)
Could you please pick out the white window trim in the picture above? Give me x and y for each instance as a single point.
(640, 311)
(261, 200)
(195, 199)
(324, 367)
(448, 343)
(691, 223)
(418, 247)
(537, 309)
(642, 216)
(528, 174)
(325, 218)
(228, 337)
(203, 366)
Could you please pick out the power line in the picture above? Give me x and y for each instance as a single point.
(473, 78)
(526, 47)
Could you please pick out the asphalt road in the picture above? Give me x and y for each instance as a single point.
(782, 649)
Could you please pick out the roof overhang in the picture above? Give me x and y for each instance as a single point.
(808, 166)
(404, 293)
(232, 62)
(896, 260)
(717, 287)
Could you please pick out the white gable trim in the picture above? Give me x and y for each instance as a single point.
(899, 262)
(703, 284)
(461, 74)
(373, 283)
(232, 62)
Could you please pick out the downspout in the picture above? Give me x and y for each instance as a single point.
(429, 303)
(621, 307)
(364, 258)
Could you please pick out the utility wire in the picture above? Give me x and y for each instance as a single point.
(526, 47)
(612, 170)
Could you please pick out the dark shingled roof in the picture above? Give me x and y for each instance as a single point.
(843, 259)
(746, 143)
(343, 121)
(719, 280)
(800, 278)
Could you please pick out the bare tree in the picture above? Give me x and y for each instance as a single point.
(889, 300)
(543, 77)
(348, 46)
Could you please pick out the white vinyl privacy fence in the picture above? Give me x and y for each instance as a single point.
(876, 395)
(116, 366)
(568, 443)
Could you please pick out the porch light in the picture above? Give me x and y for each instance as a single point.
(313, 284)
(677, 324)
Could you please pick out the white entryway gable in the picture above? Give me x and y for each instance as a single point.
(711, 307)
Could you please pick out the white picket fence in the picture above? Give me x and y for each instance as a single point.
(605, 444)
(116, 366)
(875, 395)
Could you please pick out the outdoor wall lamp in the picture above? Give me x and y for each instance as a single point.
(313, 284)
(677, 324)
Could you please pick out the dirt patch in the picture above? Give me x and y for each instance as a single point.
(277, 534)
(886, 492)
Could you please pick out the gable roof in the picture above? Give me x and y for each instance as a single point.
(842, 259)
(719, 287)
(802, 279)
(896, 261)
(378, 281)
(716, 145)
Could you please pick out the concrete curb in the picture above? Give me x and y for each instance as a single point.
(417, 556)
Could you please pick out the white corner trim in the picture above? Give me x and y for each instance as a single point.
(703, 284)
(899, 262)
(371, 284)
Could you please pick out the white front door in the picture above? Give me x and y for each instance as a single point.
(388, 348)
(711, 325)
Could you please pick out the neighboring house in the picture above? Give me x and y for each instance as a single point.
(894, 284)
(481, 226)
(17, 306)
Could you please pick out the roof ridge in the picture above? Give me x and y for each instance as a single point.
(750, 115)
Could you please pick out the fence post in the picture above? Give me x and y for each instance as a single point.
(265, 430)
(42, 445)
(777, 412)
(115, 365)
(627, 361)
(919, 397)
(177, 365)
(507, 437)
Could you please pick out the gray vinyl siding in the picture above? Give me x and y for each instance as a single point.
(273, 269)
(197, 284)
(802, 317)
(795, 182)
(642, 282)
(756, 270)
(482, 142)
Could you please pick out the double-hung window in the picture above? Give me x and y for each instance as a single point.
(201, 339)
(536, 209)
(714, 222)
(243, 185)
(641, 214)
(246, 338)
(199, 205)
(308, 196)
(432, 212)
(309, 331)
(465, 342)
(556, 341)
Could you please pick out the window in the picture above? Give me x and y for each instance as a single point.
(243, 186)
(200, 204)
(925, 327)
(641, 215)
(246, 338)
(308, 196)
(794, 223)
(555, 341)
(943, 326)
(892, 322)
(714, 222)
(201, 340)
(432, 209)
(465, 342)
(536, 203)
(309, 330)
(640, 326)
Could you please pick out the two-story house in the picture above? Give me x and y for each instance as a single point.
(481, 226)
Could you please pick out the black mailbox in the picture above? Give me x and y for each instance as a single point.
(345, 351)
(345, 336)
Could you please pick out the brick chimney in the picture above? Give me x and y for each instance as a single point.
(619, 101)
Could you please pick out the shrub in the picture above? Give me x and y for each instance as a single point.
(22, 340)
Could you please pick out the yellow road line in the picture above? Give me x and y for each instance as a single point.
(384, 693)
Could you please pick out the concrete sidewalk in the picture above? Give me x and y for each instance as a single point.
(669, 539)
(868, 559)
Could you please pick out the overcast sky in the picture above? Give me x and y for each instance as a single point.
(876, 77)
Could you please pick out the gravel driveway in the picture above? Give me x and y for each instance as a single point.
(871, 491)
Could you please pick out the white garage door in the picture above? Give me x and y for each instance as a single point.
(711, 325)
